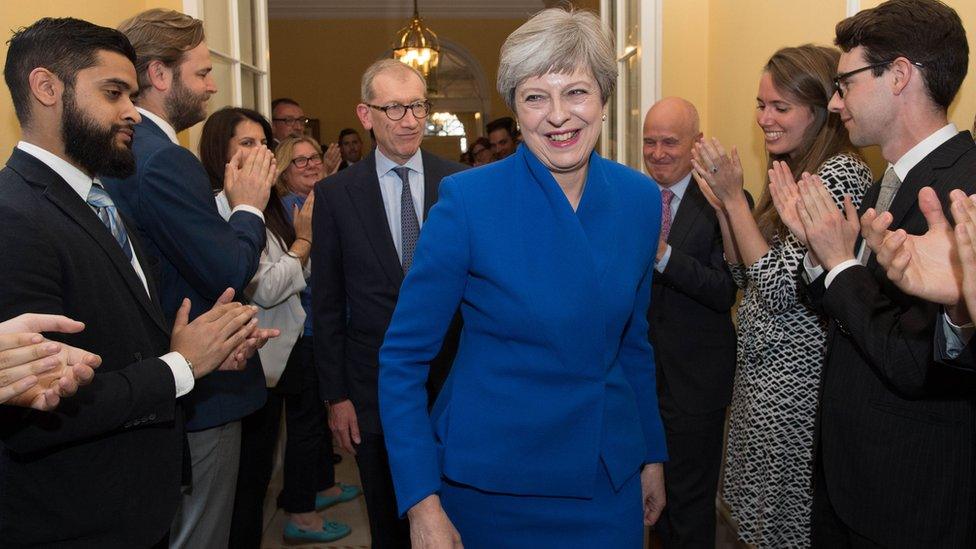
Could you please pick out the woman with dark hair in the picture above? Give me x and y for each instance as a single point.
(769, 456)
(276, 290)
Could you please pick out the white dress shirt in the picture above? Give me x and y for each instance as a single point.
(390, 187)
(82, 184)
(678, 189)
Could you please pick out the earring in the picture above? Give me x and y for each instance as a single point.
(604, 117)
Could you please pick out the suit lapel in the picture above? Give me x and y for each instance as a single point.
(689, 209)
(925, 174)
(366, 197)
(432, 180)
(67, 200)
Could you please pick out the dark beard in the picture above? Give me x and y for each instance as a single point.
(183, 109)
(91, 146)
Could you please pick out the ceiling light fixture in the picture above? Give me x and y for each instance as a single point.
(416, 45)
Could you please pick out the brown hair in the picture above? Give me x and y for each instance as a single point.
(805, 75)
(161, 35)
(284, 155)
(923, 31)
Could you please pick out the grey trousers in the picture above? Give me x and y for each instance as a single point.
(203, 518)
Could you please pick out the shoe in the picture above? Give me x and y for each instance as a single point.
(330, 531)
(336, 459)
(346, 493)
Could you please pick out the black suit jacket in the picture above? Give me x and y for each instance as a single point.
(897, 431)
(356, 276)
(104, 469)
(690, 322)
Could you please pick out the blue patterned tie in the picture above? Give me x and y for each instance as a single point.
(109, 215)
(409, 226)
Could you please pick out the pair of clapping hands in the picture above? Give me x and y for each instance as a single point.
(249, 176)
(806, 207)
(36, 372)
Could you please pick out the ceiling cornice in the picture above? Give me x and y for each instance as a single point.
(403, 9)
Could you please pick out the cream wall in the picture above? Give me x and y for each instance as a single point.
(319, 62)
(713, 52)
(19, 13)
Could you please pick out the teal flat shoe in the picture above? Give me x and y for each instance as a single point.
(331, 531)
(346, 493)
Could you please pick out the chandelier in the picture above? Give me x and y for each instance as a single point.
(416, 45)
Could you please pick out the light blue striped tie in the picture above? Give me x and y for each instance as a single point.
(109, 215)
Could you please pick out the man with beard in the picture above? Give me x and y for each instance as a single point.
(104, 469)
(170, 200)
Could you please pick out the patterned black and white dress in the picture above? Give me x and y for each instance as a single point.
(769, 457)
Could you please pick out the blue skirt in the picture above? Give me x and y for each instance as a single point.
(612, 519)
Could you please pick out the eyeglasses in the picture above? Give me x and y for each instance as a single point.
(291, 121)
(303, 161)
(397, 111)
(840, 81)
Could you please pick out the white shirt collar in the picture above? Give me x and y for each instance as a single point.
(163, 125)
(75, 178)
(384, 164)
(924, 147)
(678, 188)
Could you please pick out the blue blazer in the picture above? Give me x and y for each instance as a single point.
(199, 256)
(554, 371)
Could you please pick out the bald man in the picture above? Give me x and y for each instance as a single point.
(690, 328)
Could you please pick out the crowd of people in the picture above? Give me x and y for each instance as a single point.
(535, 349)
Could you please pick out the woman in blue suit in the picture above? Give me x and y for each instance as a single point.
(547, 431)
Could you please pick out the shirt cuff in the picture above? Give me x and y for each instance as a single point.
(813, 271)
(663, 263)
(956, 337)
(249, 209)
(181, 372)
(841, 267)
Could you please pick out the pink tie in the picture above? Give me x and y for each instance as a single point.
(666, 197)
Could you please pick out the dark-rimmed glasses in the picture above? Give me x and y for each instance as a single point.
(291, 121)
(301, 162)
(396, 111)
(840, 81)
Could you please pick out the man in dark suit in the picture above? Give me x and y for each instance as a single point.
(350, 146)
(366, 222)
(104, 469)
(170, 201)
(897, 430)
(690, 328)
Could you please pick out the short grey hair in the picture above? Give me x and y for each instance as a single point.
(381, 66)
(561, 41)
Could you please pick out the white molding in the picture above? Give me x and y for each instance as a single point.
(400, 9)
(853, 6)
(192, 8)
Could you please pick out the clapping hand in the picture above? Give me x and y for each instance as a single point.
(830, 233)
(925, 266)
(722, 172)
(248, 177)
(964, 213)
(331, 159)
(35, 372)
(786, 198)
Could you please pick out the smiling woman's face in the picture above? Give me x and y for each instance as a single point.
(560, 117)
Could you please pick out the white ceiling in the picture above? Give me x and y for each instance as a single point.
(403, 9)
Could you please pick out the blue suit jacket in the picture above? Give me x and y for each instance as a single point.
(554, 371)
(200, 255)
